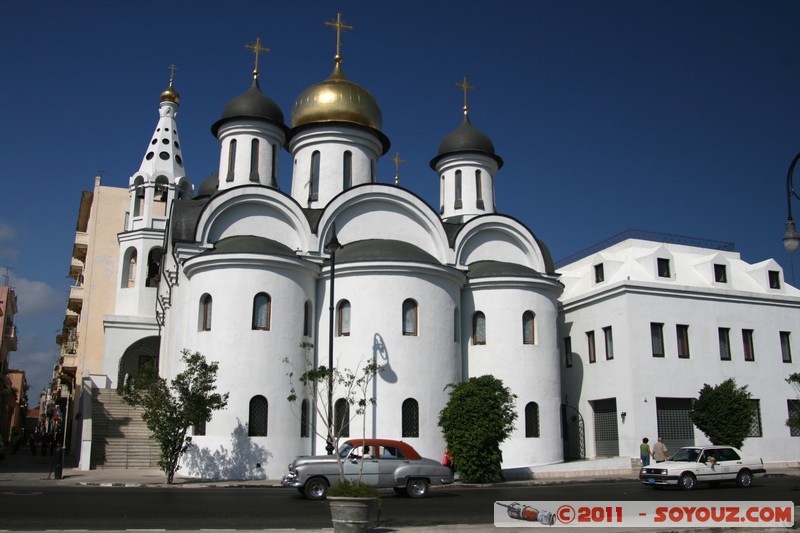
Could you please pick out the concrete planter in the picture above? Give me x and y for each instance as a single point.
(352, 515)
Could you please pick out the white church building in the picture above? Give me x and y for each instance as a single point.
(238, 269)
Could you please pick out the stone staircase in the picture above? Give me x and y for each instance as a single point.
(120, 438)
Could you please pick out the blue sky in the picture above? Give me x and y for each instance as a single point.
(673, 116)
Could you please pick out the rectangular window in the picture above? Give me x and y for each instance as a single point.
(599, 275)
(721, 273)
(568, 351)
(657, 338)
(663, 268)
(682, 332)
(774, 279)
(793, 406)
(254, 153)
(747, 344)
(786, 348)
(724, 344)
(755, 422)
(609, 340)
(479, 189)
(590, 345)
(457, 204)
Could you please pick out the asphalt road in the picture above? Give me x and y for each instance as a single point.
(118, 508)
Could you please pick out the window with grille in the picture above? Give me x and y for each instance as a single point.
(304, 419)
(568, 352)
(409, 317)
(307, 319)
(341, 418)
(755, 421)
(657, 338)
(205, 312)
(531, 420)
(343, 318)
(747, 344)
(261, 311)
(478, 328)
(199, 429)
(410, 418)
(682, 332)
(793, 406)
(786, 348)
(609, 341)
(590, 346)
(528, 323)
(721, 273)
(664, 270)
(724, 344)
(257, 425)
(456, 325)
(774, 279)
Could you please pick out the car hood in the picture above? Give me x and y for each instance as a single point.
(306, 459)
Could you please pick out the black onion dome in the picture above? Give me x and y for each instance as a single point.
(251, 104)
(209, 186)
(466, 138)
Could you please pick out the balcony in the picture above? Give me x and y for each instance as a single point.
(70, 364)
(75, 302)
(80, 246)
(76, 267)
(10, 339)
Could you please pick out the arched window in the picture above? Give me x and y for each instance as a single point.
(531, 420)
(341, 418)
(478, 328)
(153, 268)
(129, 268)
(347, 170)
(478, 189)
(313, 191)
(528, 323)
(274, 176)
(409, 317)
(343, 319)
(458, 190)
(456, 325)
(262, 307)
(410, 417)
(259, 416)
(254, 160)
(205, 312)
(231, 159)
(307, 319)
(304, 419)
(138, 196)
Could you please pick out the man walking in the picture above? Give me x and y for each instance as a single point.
(660, 451)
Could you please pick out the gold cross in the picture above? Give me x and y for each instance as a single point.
(256, 48)
(172, 69)
(340, 27)
(397, 162)
(466, 87)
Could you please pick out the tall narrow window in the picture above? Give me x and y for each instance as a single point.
(755, 421)
(478, 328)
(609, 342)
(457, 204)
(590, 346)
(724, 344)
(347, 170)
(441, 195)
(664, 270)
(307, 319)
(261, 311)
(682, 332)
(410, 418)
(786, 346)
(747, 344)
(341, 418)
(254, 160)
(531, 420)
(304, 419)
(409, 317)
(343, 318)
(478, 190)
(599, 274)
(153, 267)
(528, 323)
(231, 159)
(274, 171)
(259, 410)
(720, 273)
(568, 352)
(774, 279)
(657, 339)
(129, 271)
(205, 312)
(456, 325)
(793, 408)
(313, 191)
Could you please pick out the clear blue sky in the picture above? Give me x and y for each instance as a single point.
(672, 116)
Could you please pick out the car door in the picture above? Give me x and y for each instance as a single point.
(367, 469)
(707, 470)
(390, 460)
(729, 463)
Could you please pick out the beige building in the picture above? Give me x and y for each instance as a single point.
(93, 268)
(8, 344)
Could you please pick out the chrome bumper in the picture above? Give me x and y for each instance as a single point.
(290, 480)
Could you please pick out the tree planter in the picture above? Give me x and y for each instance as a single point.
(352, 515)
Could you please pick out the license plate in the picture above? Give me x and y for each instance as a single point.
(651, 481)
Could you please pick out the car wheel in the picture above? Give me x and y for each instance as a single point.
(744, 478)
(417, 488)
(316, 488)
(687, 481)
(400, 491)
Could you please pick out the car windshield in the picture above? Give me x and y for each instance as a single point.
(344, 450)
(686, 454)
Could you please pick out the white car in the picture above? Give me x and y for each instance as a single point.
(703, 464)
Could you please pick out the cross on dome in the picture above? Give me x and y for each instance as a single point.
(465, 87)
(256, 48)
(397, 162)
(340, 26)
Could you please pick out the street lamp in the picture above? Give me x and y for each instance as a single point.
(791, 240)
(332, 247)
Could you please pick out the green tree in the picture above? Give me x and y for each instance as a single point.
(724, 413)
(478, 417)
(170, 410)
(794, 415)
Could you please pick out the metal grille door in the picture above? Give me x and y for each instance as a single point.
(606, 435)
(674, 422)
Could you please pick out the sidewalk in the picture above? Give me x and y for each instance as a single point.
(23, 468)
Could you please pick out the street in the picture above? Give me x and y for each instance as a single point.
(39, 507)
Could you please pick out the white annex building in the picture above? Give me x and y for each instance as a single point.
(237, 269)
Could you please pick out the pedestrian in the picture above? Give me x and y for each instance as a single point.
(447, 459)
(644, 451)
(660, 451)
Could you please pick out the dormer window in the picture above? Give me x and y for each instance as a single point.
(664, 270)
(599, 274)
(774, 279)
(720, 273)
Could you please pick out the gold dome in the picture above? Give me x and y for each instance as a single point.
(337, 99)
(170, 94)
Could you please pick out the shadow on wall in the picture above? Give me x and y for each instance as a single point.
(241, 461)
